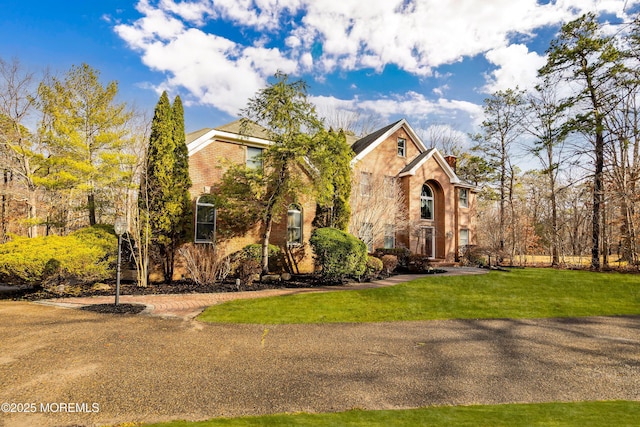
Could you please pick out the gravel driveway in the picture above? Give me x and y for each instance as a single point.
(114, 369)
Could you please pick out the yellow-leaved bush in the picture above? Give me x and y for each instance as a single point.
(86, 255)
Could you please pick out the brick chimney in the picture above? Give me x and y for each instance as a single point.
(451, 160)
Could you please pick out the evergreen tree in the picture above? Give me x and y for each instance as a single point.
(251, 196)
(332, 160)
(585, 56)
(84, 129)
(184, 226)
(167, 181)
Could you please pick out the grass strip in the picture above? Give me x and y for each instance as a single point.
(582, 414)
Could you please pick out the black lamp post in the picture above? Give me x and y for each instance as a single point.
(119, 227)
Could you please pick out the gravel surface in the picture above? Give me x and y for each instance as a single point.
(140, 368)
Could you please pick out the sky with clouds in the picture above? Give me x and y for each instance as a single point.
(430, 61)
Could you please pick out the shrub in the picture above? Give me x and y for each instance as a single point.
(374, 267)
(389, 263)
(338, 254)
(418, 263)
(254, 252)
(206, 263)
(402, 255)
(86, 255)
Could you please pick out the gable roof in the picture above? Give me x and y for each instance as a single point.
(256, 136)
(250, 129)
(361, 144)
(365, 145)
(413, 166)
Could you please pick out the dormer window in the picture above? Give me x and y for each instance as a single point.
(402, 147)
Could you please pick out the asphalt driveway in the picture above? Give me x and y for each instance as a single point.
(110, 369)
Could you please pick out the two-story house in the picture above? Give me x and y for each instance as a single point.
(439, 207)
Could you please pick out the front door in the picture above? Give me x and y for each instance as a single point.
(427, 241)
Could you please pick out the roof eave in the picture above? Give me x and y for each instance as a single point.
(206, 139)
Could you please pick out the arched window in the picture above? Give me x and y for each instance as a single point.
(294, 225)
(205, 231)
(426, 202)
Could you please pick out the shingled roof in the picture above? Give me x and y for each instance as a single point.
(416, 161)
(361, 144)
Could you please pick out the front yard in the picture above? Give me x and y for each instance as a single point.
(520, 293)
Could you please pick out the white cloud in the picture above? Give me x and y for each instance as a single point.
(516, 67)
(184, 40)
(413, 106)
(214, 70)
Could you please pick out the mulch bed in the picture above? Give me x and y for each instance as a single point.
(176, 287)
(114, 309)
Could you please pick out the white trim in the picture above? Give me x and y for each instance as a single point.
(453, 178)
(217, 135)
(412, 134)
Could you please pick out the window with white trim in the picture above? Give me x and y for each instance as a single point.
(464, 238)
(402, 147)
(426, 202)
(205, 230)
(463, 198)
(294, 225)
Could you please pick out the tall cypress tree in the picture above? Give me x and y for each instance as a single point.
(167, 181)
(182, 180)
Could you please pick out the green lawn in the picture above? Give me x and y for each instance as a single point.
(520, 293)
(582, 414)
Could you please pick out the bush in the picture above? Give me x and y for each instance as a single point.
(402, 255)
(86, 255)
(374, 267)
(418, 263)
(254, 252)
(389, 263)
(206, 263)
(338, 254)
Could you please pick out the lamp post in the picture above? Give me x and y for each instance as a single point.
(120, 226)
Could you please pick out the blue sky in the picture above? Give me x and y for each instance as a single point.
(430, 61)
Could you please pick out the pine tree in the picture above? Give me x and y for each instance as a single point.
(587, 57)
(84, 129)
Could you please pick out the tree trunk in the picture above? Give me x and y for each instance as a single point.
(503, 177)
(32, 214)
(598, 193)
(265, 243)
(91, 204)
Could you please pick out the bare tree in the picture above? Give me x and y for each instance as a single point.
(354, 122)
(623, 153)
(378, 208)
(18, 146)
(137, 201)
(445, 138)
(500, 129)
(546, 122)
